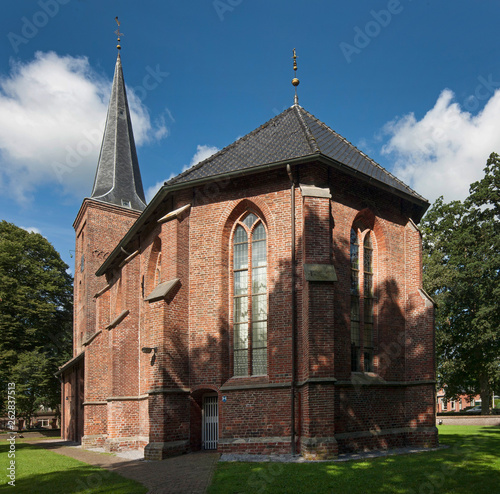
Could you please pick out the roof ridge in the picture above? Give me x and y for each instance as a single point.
(198, 165)
(371, 160)
(309, 136)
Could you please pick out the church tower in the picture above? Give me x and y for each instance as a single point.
(116, 201)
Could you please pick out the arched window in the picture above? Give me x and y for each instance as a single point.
(250, 297)
(355, 327)
(362, 314)
(368, 303)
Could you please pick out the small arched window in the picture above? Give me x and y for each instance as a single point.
(362, 302)
(250, 297)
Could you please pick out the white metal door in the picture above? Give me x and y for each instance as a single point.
(210, 422)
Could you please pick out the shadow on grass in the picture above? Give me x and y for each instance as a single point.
(470, 464)
(45, 472)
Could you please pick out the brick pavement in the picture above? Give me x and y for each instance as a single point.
(186, 474)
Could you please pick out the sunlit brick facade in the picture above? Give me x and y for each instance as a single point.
(195, 329)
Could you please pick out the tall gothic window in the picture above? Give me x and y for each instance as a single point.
(250, 297)
(368, 303)
(355, 328)
(361, 313)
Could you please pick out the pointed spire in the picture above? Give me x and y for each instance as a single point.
(295, 81)
(118, 178)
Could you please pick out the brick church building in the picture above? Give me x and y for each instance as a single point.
(267, 300)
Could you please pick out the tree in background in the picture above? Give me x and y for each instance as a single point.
(461, 243)
(36, 311)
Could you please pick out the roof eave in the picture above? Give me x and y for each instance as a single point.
(165, 190)
(424, 203)
(69, 364)
(139, 223)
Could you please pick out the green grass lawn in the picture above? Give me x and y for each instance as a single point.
(40, 471)
(470, 465)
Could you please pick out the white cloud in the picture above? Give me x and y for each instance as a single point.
(202, 153)
(31, 229)
(52, 114)
(151, 191)
(445, 151)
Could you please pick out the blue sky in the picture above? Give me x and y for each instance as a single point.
(414, 84)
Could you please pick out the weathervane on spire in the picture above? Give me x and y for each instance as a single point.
(118, 34)
(295, 81)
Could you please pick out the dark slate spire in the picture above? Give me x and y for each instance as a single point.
(118, 178)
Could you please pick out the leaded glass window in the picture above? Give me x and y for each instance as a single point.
(250, 297)
(355, 328)
(368, 303)
(362, 314)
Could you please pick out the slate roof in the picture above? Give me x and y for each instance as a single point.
(118, 177)
(293, 134)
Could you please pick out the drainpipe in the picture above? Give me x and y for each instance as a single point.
(292, 385)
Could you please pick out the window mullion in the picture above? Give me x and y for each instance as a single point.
(367, 318)
(250, 305)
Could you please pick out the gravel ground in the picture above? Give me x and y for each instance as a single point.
(129, 455)
(343, 457)
(287, 458)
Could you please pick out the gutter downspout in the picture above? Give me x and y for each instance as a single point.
(293, 329)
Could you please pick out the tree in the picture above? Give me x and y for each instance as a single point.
(461, 242)
(34, 383)
(35, 317)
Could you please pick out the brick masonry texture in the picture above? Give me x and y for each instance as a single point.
(134, 399)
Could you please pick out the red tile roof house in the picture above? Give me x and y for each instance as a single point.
(267, 300)
(457, 405)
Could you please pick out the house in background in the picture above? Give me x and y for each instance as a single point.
(457, 405)
(44, 418)
(267, 300)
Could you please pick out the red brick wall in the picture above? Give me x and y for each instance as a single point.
(192, 327)
(98, 227)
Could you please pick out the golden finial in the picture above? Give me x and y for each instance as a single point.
(295, 81)
(118, 34)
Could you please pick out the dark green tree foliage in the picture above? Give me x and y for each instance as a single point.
(461, 242)
(35, 318)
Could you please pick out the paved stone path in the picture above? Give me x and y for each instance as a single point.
(186, 474)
